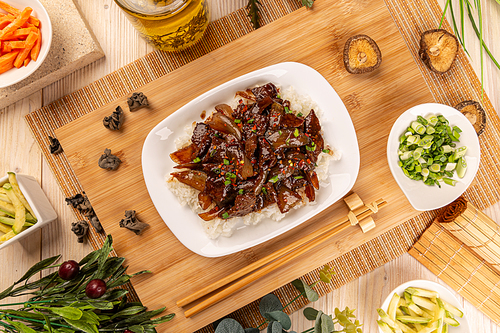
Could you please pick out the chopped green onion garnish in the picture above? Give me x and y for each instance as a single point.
(264, 190)
(326, 151)
(227, 182)
(250, 121)
(197, 160)
(240, 191)
(274, 179)
(237, 121)
(226, 162)
(225, 215)
(296, 132)
(298, 177)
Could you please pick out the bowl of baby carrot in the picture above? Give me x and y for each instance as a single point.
(25, 38)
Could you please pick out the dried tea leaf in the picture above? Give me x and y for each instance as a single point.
(55, 146)
(361, 55)
(136, 101)
(109, 161)
(131, 222)
(473, 111)
(115, 120)
(80, 229)
(438, 50)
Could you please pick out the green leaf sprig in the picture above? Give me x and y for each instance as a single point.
(272, 310)
(61, 306)
(254, 7)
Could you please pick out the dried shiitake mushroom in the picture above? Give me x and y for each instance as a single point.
(361, 55)
(473, 111)
(438, 49)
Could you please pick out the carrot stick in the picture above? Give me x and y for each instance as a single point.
(21, 33)
(18, 22)
(30, 42)
(5, 21)
(26, 61)
(35, 51)
(14, 11)
(15, 44)
(7, 61)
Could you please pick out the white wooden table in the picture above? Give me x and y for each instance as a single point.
(122, 45)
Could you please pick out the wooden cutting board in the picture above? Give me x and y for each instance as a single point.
(314, 37)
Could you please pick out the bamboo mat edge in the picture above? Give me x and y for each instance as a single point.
(365, 258)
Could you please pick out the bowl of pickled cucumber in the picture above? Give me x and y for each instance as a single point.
(433, 154)
(422, 306)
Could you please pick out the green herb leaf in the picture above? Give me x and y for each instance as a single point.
(21, 327)
(37, 268)
(305, 289)
(275, 327)
(307, 3)
(133, 310)
(229, 325)
(269, 303)
(82, 326)
(280, 317)
(310, 313)
(254, 12)
(66, 312)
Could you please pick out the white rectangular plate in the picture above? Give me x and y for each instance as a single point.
(338, 133)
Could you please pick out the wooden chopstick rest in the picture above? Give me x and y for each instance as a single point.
(359, 213)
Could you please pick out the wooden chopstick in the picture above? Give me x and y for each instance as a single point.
(275, 260)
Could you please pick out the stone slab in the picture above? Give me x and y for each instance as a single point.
(73, 46)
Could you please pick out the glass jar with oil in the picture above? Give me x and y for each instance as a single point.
(168, 25)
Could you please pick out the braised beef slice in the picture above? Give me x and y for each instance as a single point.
(287, 138)
(268, 90)
(243, 204)
(195, 179)
(222, 194)
(184, 155)
(290, 120)
(201, 138)
(287, 199)
(267, 158)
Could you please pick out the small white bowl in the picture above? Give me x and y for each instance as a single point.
(423, 197)
(38, 202)
(15, 75)
(444, 294)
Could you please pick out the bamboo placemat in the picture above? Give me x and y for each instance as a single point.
(473, 228)
(457, 265)
(411, 18)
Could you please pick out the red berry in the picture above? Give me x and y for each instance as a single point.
(96, 288)
(69, 270)
(128, 331)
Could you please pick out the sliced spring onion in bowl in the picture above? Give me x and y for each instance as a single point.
(435, 158)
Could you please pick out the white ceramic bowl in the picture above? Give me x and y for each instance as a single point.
(444, 293)
(38, 202)
(423, 197)
(15, 75)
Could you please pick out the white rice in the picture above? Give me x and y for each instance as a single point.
(225, 227)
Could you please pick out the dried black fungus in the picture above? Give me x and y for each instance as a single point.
(115, 121)
(131, 222)
(136, 101)
(80, 229)
(55, 146)
(82, 204)
(109, 161)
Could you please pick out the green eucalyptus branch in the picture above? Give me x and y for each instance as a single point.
(66, 304)
(272, 310)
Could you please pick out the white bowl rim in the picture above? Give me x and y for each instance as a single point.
(46, 39)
